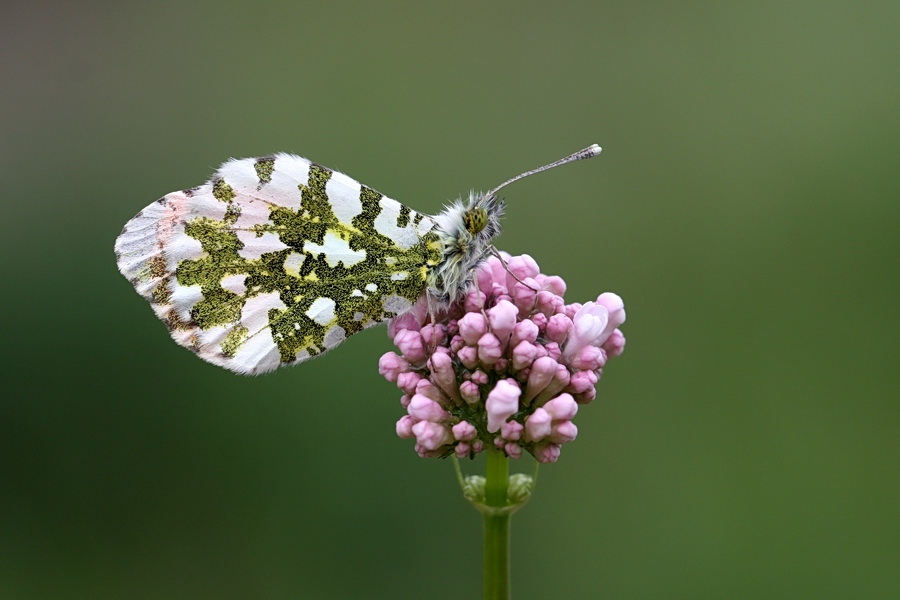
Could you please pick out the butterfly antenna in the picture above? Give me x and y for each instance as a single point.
(589, 152)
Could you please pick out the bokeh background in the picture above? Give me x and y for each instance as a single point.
(745, 206)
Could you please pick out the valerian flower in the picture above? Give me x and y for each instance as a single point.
(508, 365)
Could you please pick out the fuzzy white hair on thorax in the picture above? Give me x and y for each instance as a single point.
(462, 249)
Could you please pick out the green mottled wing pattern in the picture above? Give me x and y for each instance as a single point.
(276, 260)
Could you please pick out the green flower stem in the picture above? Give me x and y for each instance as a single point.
(496, 527)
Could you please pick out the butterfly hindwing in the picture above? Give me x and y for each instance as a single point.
(275, 260)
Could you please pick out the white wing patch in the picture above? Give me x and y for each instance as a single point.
(341, 186)
(293, 262)
(336, 250)
(322, 311)
(405, 236)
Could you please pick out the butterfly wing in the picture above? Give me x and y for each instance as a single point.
(275, 260)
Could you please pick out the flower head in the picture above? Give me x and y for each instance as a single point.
(506, 366)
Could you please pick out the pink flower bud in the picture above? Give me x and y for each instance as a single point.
(468, 356)
(587, 396)
(552, 283)
(391, 365)
(426, 388)
(511, 430)
(524, 330)
(470, 392)
(426, 453)
(443, 375)
(404, 427)
(431, 436)
(548, 303)
(616, 309)
(464, 431)
(553, 350)
(561, 408)
(502, 297)
(411, 345)
(559, 382)
(479, 377)
(425, 409)
(564, 431)
(581, 381)
(538, 425)
(502, 402)
(523, 295)
(539, 319)
(434, 335)
(411, 320)
(485, 279)
(522, 267)
(513, 450)
(546, 453)
(502, 318)
(408, 381)
(477, 446)
(453, 327)
(474, 301)
(558, 327)
(489, 349)
(589, 358)
(523, 355)
(614, 344)
(498, 271)
(471, 327)
(463, 450)
(405, 399)
(542, 372)
(456, 343)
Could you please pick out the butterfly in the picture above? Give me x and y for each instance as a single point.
(275, 260)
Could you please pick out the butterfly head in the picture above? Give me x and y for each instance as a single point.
(475, 219)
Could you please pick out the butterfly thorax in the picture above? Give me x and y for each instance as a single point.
(465, 231)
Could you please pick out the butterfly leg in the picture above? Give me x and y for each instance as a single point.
(432, 316)
(493, 250)
(473, 281)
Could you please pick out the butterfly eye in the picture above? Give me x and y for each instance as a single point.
(475, 220)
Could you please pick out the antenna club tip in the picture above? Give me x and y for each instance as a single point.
(594, 150)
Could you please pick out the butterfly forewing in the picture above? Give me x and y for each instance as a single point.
(275, 260)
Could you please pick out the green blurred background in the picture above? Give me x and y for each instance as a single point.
(745, 207)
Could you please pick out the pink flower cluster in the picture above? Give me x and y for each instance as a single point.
(508, 365)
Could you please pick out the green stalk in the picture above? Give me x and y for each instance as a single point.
(496, 527)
